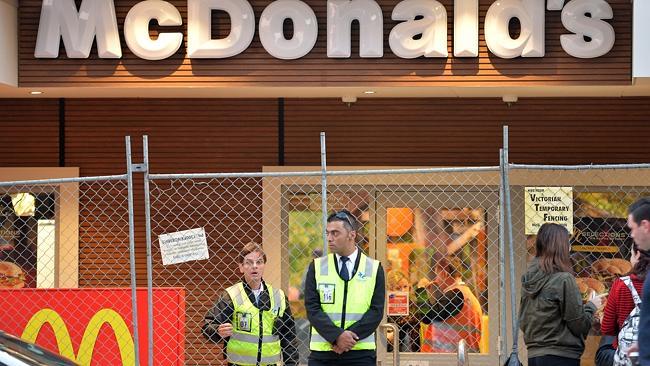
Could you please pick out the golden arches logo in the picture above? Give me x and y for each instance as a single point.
(85, 354)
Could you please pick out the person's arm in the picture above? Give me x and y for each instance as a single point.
(317, 317)
(371, 318)
(219, 314)
(605, 352)
(577, 316)
(287, 333)
(609, 325)
(644, 325)
(442, 306)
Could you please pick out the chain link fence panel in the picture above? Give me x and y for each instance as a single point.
(64, 257)
(591, 202)
(435, 231)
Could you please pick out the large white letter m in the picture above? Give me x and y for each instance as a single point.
(96, 18)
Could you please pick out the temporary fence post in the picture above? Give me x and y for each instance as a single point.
(513, 302)
(323, 166)
(502, 266)
(134, 304)
(147, 216)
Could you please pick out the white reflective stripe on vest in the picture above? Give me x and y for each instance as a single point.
(253, 360)
(318, 338)
(337, 317)
(253, 338)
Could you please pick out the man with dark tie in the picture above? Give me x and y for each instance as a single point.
(344, 299)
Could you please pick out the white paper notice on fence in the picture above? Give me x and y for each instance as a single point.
(548, 204)
(183, 246)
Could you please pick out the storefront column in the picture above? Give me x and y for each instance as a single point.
(640, 44)
(9, 42)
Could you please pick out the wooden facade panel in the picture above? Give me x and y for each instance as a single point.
(467, 132)
(185, 136)
(29, 134)
(257, 68)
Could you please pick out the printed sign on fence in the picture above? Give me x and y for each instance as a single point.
(548, 204)
(398, 303)
(183, 246)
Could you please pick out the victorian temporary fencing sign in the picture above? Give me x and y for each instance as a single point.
(548, 204)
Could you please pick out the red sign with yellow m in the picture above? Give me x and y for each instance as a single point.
(94, 326)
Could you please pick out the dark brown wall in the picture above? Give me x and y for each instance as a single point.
(256, 67)
(29, 132)
(454, 131)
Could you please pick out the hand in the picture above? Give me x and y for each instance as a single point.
(346, 341)
(423, 283)
(597, 300)
(337, 349)
(225, 330)
(633, 348)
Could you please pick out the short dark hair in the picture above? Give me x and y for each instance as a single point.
(348, 220)
(640, 210)
(250, 248)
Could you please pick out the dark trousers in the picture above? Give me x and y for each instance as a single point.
(553, 360)
(366, 361)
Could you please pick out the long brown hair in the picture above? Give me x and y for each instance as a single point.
(552, 246)
(641, 267)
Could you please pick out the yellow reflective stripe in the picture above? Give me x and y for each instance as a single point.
(254, 339)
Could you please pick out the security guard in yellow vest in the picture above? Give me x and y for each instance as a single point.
(344, 299)
(253, 318)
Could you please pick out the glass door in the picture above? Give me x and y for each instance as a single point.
(440, 254)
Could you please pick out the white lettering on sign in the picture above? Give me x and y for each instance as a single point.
(601, 34)
(530, 42)
(340, 14)
(466, 24)
(95, 19)
(199, 28)
(422, 31)
(305, 29)
(432, 27)
(136, 30)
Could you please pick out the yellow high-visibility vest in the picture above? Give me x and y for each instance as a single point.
(341, 304)
(250, 326)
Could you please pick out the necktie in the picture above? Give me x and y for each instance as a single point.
(344, 268)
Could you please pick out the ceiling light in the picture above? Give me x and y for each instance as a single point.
(369, 92)
(35, 92)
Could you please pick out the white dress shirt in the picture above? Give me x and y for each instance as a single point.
(350, 263)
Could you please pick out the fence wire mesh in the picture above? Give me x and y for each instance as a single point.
(435, 232)
(66, 247)
(592, 202)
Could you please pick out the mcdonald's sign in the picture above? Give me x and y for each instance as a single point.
(94, 326)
